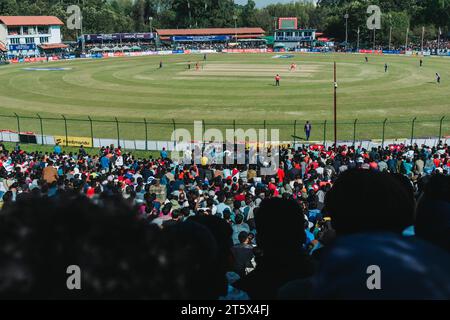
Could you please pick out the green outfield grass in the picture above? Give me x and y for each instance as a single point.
(227, 88)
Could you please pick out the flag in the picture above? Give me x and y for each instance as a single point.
(440, 31)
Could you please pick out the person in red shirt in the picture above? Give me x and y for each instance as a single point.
(437, 161)
(277, 80)
(280, 175)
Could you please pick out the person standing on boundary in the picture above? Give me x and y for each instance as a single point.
(438, 78)
(385, 67)
(421, 62)
(308, 128)
(160, 64)
(277, 80)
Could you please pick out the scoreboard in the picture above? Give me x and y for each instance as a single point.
(287, 23)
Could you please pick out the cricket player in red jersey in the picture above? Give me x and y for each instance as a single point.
(277, 80)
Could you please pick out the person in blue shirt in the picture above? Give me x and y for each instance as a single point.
(163, 153)
(57, 149)
(407, 166)
(104, 162)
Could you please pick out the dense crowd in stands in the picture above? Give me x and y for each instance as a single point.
(154, 228)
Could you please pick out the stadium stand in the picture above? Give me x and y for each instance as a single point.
(227, 232)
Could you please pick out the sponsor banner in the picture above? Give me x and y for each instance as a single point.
(260, 145)
(117, 36)
(164, 52)
(244, 50)
(18, 47)
(371, 51)
(199, 38)
(177, 51)
(301, 50)
(392, 52)
(208, 51)
(74, 141)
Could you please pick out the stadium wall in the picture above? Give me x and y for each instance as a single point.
(172, 52)
(156, 145)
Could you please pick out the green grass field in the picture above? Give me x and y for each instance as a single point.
(227, 88)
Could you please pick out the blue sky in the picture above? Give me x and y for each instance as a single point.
(262, 3)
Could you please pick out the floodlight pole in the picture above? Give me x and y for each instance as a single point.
(390, 37)
(423, 36)
(83, 45)
(439, 41)
(346, 30)
(374, 37)
(357, 45)
(335, 108)
(406, 43)
(235, 28)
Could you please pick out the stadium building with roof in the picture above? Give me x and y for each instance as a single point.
(211, 35)
(289, 36)
(30, 36)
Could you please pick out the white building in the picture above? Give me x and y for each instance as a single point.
(30, 35)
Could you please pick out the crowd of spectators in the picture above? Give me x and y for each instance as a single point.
(154, 228)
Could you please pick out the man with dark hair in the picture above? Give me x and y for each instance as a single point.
(242, 254)
(50, 174)
(379, 202)
(221, 232)
(239, 227)
(41, 237)
(382, 266)
(176, 218)
(433, 212)
(189, 263)
(281, 259)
